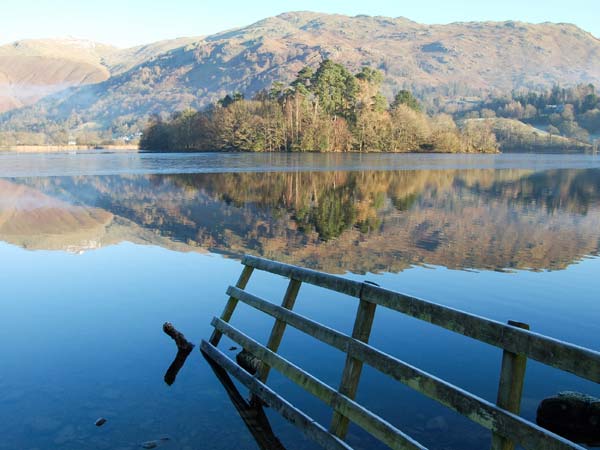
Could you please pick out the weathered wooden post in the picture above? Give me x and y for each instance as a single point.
(289, 299)
(231, 304)
(510, 389)
(353, 368)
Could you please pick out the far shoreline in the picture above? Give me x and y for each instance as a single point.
(66, 148)
(71, 149)
(135, 149)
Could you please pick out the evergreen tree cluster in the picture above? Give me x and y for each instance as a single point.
(328, 110)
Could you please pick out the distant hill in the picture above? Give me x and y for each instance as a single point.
(30, 70)
(33, 69)
(458, 59)
(516, 136)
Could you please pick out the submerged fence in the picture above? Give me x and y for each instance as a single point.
(502, 418)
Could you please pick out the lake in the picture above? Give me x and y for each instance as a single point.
(99, 249)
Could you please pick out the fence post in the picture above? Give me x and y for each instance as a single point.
(289, 299)
(353, 368)
(231, 304)
(510, 389)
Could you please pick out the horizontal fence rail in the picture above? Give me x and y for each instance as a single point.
(571, 358)
(480, 411)
(518, 343)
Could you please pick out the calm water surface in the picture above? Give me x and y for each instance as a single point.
(98, 250)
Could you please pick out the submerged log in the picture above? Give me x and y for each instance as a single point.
(184, 348)
(572, 415)
(248, 361)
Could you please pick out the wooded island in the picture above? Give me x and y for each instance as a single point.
(323, 110)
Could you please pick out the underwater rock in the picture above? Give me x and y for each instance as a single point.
(101, 421)
(572, 415)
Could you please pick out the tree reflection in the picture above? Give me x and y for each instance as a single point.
(334, 221)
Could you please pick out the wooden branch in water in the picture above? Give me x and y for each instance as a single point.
(182, 343)
(184, 348)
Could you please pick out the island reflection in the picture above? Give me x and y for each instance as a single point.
(364, 221)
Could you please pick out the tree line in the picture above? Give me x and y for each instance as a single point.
(572, 112)
(328, 109)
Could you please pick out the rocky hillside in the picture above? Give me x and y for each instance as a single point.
(33, 69)
(457, 59)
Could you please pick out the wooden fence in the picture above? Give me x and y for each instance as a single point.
(502, 418)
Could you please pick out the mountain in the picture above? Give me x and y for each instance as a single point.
(33, 69)
(124, 60)
(457, 59)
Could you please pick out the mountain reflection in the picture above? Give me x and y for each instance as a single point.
(333, 221)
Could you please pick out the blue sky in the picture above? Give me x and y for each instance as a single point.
(130, 22)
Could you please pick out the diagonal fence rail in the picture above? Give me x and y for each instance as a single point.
(518, 343)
